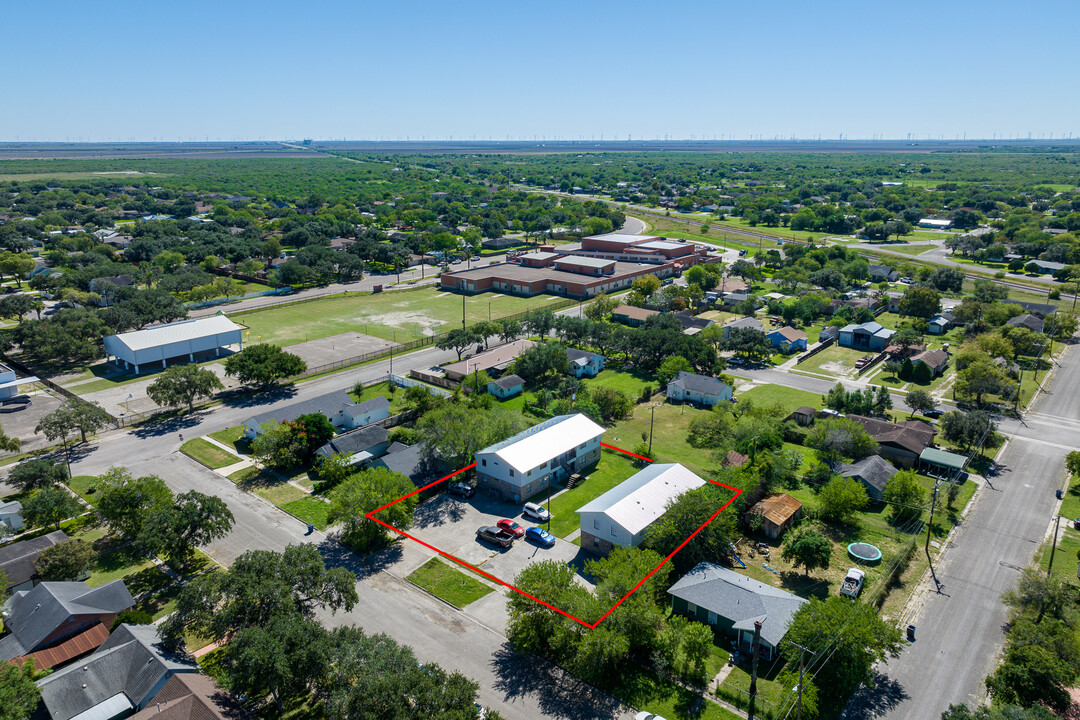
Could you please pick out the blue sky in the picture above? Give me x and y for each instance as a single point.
(234, 69)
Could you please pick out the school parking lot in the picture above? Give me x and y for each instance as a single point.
(449, 523)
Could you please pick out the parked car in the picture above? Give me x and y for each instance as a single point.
(475, 258)
(461, 489)
(540, 536)
(647, 716)
(495, 536)
(906, 280)
(933, 414)
(539, 512)
(511, 527)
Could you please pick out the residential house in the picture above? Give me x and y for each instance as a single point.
(939, 324)
(866, 336)
(700, 389)
(902, 442)
(120, 678)
(506, 386)
(17, 560)
(534, 459)
(493, 361)
(734, 459)
(1032, 322)
(585, 364)
(745, 322)
(731, 603)
(11, 516)
(936, 360)
(192, 696)
(803, 416)
(787, 339)
(883, 273)
(360, 446)
(1043, 310)
(873, 472)
(413, 462)
(892, 300)
(934, 224)
(691, 324)
(632, 316)
(778, 512)
(51, 614)
(828, 333)
(1043, 266)
(937, 462)
(620, 517)
(337, 407)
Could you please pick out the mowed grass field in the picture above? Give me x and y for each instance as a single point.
(401, 316)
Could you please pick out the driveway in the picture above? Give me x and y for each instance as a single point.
(449, 523)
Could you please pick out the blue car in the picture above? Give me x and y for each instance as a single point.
(540, 536)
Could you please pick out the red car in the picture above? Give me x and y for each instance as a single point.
(511, 527)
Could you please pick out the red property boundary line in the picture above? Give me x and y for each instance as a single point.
(591, 626)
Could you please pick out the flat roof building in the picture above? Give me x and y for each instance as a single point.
(172, 341)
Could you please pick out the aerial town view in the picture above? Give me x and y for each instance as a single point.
(735, 379)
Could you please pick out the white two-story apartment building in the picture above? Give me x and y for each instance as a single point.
(524, 464)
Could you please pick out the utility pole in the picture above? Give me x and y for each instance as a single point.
(802, 652)
(1053, 544)
(652, 414)
(753, 670)
(930, 525)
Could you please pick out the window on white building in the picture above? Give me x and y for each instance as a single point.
(613, 533)
(596, 524)
(511, 472)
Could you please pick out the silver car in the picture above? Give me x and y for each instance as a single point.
(535, 511)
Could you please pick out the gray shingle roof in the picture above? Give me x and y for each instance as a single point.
(32, 615)
(375, 403)
(580, 357)
(508, 382)
(1040, 309)
(740, 599)
(697, 383)
(1030, 321)
(131, 662)
(17, 559)
(327, 404)
(356, 441)
(873, 470)
(746, 322)
(412, 462)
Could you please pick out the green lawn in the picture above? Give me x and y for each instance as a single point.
(639, 688)
(907, 249)
(1070, 504)
(309, 509)
(85, 487)
(773, 698)
(279, 493)
(1065, 557)
(233, 436)
(787, 398)
(160, 603)
(452, 585)
(671, 424)
(135, 569)
(629, 382)
(107, 383)
(208, 454)
(835, 361)
(399, 315)
(612, 469)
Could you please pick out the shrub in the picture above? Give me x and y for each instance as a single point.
(133, 617)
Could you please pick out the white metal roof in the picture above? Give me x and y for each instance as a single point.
(626, 238)
(584, 261)
(636, 503)
(107, 709)
(178, 332)
(540, 443)
(663, 245)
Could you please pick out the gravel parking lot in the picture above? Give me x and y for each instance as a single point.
(449, 523)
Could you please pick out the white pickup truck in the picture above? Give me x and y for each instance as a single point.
(853, 583)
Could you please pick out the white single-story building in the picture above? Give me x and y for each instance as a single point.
(700, 389)
(522, 465)
(11, 515)
(9, 384)
(620, 516)
(337, 406)
(175, 340)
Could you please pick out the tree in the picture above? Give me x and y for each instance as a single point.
(921, 373)
(919, 401)
(983, 377)
(65, 562)
(458, 340)
(18, 305)
(683, 517)
(840, 438)
(263, 365)
(672, 367)
(19, 694)
(49, 506)
(193, 519)
(258, 587)
(542, 360)
(539, 322)
(1030, 675)
(600, 307)
(749, 342)
(906, 337)
(1072, 462)
(366, 491)
(998, 712)
(947, 279)
(920, 302)
(509, 330)
(316, 430)
(280, 445)
(851, 634)
(1063, 326)
(181, 384)
(906, 496)
(612, 404)
(36, 474)
(124, 502)
(9, 444)
(883, 400)
(967, 429)
(74, 414)
(807, 547)
(282, 659)
(840, 499)
(484, 330)
(455, 432)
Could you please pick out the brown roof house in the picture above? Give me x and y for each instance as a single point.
(936, 360)
(735, 459)
(632, 316)
(189, 696)
(902, 443)
(777, 512)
